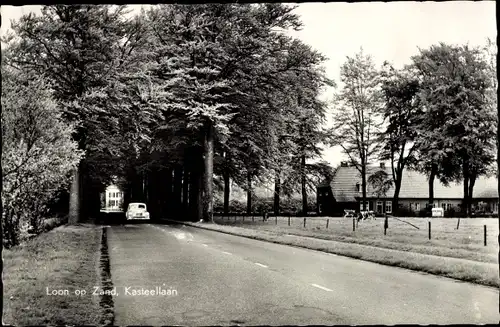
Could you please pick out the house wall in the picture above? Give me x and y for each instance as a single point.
(113, 198)
(419, 204)
(486, 205)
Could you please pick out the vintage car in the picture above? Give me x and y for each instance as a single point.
(137, 210)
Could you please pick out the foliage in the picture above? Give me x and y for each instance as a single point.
(357, 117)
(459, 125)
(381, 182)
(38, 152)
(402, 113)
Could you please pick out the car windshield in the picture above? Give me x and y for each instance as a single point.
(137, 206)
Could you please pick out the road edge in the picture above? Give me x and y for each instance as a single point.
(106, 299)
(196, 225)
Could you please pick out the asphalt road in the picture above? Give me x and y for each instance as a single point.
(210, 278)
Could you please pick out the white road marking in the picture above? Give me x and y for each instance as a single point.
(260, 264)
(226, 252)
(321, 287)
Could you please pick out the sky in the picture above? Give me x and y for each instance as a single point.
(388, 31)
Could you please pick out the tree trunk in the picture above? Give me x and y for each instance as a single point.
(196, 186)
(74, 198)
(208, 156)
(227, 190)
(193, 194)
(199, 200)
(145, 186)
(472, 181)
(277, 191)
(185, 190)
(466, 204)
(432, 176)
(154, 191)
(177, 193)
(303, 183)
(168, 180)
(137, 190)
(249, 193)
(397, 189)
(363, 184)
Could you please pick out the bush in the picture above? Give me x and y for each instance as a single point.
(405, 212)
(52, 223)
(259, 205)
(38, 151)
(425, 212)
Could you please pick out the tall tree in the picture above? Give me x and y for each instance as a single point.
(456, 83)
(357, 119)
(76, 47)
(401, 116)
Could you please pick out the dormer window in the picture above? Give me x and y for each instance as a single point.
(357, 187)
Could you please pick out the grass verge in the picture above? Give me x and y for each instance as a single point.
(446, 241)
(63, 259)
(466, 270)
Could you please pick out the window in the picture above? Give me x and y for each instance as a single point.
(417, 206)
(357, 187)
(388, 207)
(379, 206)
(411, 206)
(361, 206)
(448, 206)
(443, 205)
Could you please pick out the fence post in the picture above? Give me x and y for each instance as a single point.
(386, 224)
(429, 230)
(276, 219)
(288, 219)
(353, 224)
(304, 222)
(253, 218)
(458, 223)
(327, 221)
(484, 235)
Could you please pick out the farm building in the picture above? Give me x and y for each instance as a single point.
(345, 192)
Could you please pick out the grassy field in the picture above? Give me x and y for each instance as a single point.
(465, 243)
(65, 258)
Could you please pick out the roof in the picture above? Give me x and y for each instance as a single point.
(414, 185)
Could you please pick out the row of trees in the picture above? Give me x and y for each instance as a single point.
(435, 115)
(175, 95)
(179, 99)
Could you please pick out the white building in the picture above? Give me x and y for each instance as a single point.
(113, 198)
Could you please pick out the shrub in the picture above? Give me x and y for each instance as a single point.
(404, 212)
(38, 151)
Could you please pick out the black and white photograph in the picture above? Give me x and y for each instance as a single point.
(250, 164)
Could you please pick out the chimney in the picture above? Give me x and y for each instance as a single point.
(382, 165)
